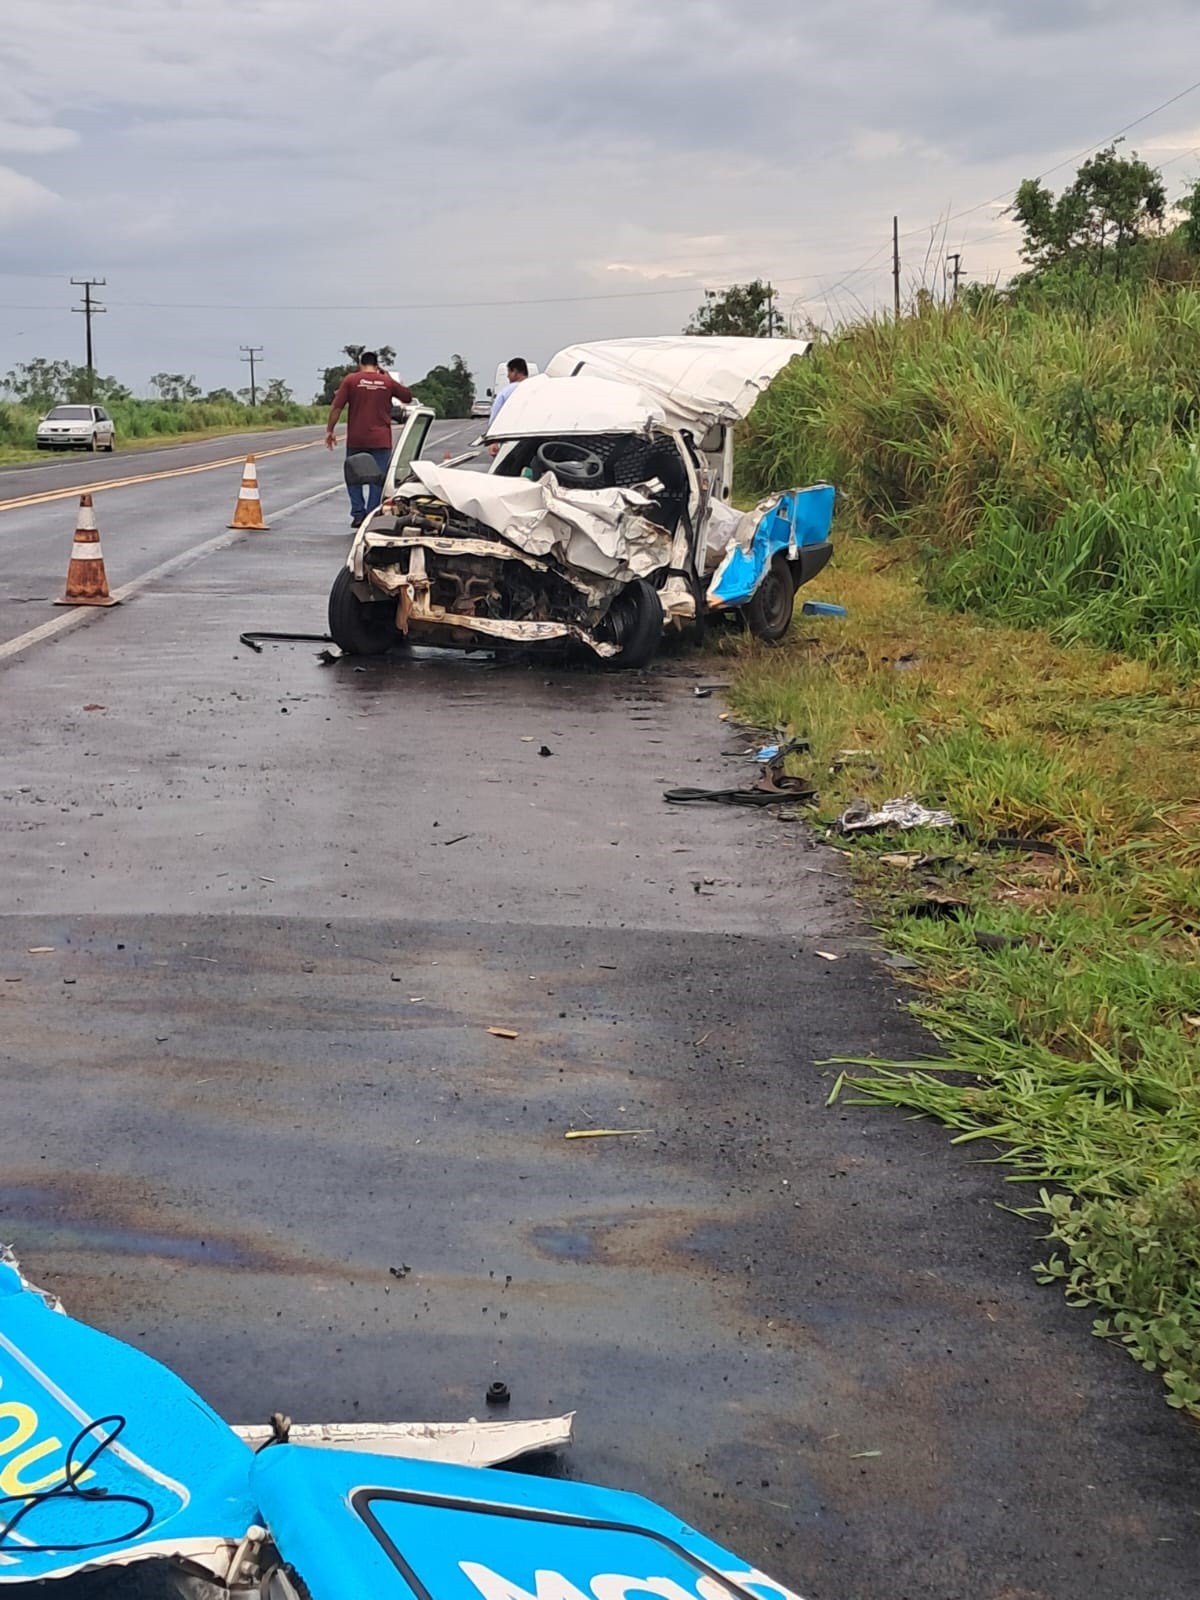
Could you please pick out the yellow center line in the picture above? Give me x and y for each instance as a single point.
(147, 477)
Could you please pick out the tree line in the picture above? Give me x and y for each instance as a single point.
(42, 383)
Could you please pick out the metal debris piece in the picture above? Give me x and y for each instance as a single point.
(903, 813)
(504, 1033)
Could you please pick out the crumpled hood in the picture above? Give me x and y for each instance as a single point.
(597, 531)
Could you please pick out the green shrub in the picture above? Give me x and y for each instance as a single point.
(1042, 458)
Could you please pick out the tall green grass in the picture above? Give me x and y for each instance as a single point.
(156, 419)
(1043, 460)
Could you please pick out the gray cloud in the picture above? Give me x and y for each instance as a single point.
(283, 153)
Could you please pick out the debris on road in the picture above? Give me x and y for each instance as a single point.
(771, 789)
(854, 758)
(497, 1394)
(504, 1033)
(545, 751)
(903, 813)
(827, 955)
(605, 1133)
(41, 950)
(252, 637)
(93, 706)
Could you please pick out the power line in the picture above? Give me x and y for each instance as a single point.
(1058, 165)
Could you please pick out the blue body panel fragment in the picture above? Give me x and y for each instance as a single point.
(798, 518)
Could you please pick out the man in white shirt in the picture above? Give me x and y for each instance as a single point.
(518, 371)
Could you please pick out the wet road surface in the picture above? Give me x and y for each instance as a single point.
(285, 902)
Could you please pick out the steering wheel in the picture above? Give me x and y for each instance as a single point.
(570, 463)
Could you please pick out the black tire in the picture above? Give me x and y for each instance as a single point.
(769, 613)
(359, 627)
(634, 623)
(111, 445)
(94, 447)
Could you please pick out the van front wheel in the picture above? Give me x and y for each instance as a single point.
(359, 627)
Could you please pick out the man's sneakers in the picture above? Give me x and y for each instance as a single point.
(357, 522)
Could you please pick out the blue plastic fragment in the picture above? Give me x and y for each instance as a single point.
(767, 753)
(798, 519)
(822, 608)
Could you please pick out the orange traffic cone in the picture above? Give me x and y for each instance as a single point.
(247, 513)
(87, 583)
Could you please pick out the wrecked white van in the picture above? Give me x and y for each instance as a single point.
(604, 520)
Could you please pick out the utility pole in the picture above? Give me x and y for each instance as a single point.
(770, 311)
(253, 351)
(896, 266)
(956, 257)
(89, 309)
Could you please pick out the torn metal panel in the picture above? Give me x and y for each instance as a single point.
(464, 1444)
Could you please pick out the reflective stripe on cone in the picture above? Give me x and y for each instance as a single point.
(87, 581)
(247, 513)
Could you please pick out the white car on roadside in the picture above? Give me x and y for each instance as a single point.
(76, 428)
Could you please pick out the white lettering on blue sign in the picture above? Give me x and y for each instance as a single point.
(618, 1586)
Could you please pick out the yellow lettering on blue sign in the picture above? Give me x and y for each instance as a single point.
(25, 1424)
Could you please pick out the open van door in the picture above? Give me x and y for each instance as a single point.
(407, 448)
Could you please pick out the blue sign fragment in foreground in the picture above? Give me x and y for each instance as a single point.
(107, 1458)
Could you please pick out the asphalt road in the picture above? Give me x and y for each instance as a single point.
(286, 901)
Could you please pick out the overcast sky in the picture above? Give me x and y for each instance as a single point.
(301, 173)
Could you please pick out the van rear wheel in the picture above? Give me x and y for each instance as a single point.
(769, 612)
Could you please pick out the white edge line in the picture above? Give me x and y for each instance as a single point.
(72, 619)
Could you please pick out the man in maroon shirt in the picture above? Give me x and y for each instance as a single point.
(368, 392)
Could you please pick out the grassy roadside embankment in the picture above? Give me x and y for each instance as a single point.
(150, 423)
(1062, 984)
